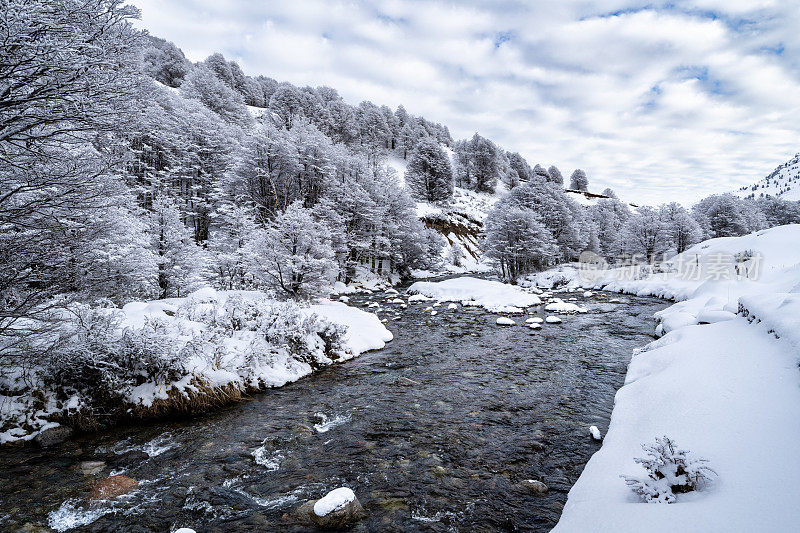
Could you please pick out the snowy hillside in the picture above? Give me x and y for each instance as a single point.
(459, 220)
(783, 182)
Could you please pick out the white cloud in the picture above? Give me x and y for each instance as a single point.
(668, 102)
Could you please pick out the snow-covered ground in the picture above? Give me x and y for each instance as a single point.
(492, 295)
(236, 339)
(723, 382)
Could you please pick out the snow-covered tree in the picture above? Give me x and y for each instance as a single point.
(559, 214)
(521, 166)
(682, 230)
(69, 82)
(229, 252)
(555, 175)
(609, 216)
(477, 164)
(428, 174)
(375, 133)
(112, 256)
(670, 471)
(180, 261)
(778, 211)
(578, 180)
(266, 172)
(288, 103)
(293, 255)
(518, 241)
(202, 84)
(165, 62)
(726, 215)
(645, 234)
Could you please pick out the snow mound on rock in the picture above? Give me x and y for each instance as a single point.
(491, 295)
(333, 501)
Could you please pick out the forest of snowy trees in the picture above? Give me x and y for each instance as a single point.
(130, 173)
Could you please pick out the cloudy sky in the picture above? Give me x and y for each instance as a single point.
(660, 101)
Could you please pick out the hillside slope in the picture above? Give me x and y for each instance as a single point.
(783, 182)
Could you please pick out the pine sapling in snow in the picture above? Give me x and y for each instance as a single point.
(670, 471)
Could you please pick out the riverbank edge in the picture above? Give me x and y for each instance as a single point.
(194, 394)
(599, 499)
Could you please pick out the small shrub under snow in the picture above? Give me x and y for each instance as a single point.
(98, 359)
(670, 471)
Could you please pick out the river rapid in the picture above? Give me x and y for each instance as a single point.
(436, 432)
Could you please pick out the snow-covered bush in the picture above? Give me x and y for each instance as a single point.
(97, 360)
(307, 337)
(670, 471)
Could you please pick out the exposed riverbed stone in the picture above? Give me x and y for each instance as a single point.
(534, 486)
(52, 436)
(112, 487)
(91, 468)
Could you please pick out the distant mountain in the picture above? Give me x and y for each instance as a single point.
(783, 182)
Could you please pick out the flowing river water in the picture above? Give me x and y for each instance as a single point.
(436, 432)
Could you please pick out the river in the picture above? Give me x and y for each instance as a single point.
(435, 432)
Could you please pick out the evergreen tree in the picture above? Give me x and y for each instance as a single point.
(555, 175)
(578, 181)
(428, 175)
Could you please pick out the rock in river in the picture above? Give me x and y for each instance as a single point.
(111, 487)
(536, 487)
(90, 468)
(339, 509)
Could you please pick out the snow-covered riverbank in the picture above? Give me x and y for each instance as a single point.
(182, 354)
(723, 382)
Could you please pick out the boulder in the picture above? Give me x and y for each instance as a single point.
(339, 509)
(90, 468)
(112, 487)
(534, 486)
(52, 436)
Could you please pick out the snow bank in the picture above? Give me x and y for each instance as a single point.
(492, 295)
(364, 330)
(725, 387)
(728, 392)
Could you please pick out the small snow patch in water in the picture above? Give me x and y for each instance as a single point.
(552, 320)
(326, 424)
(505, 321)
